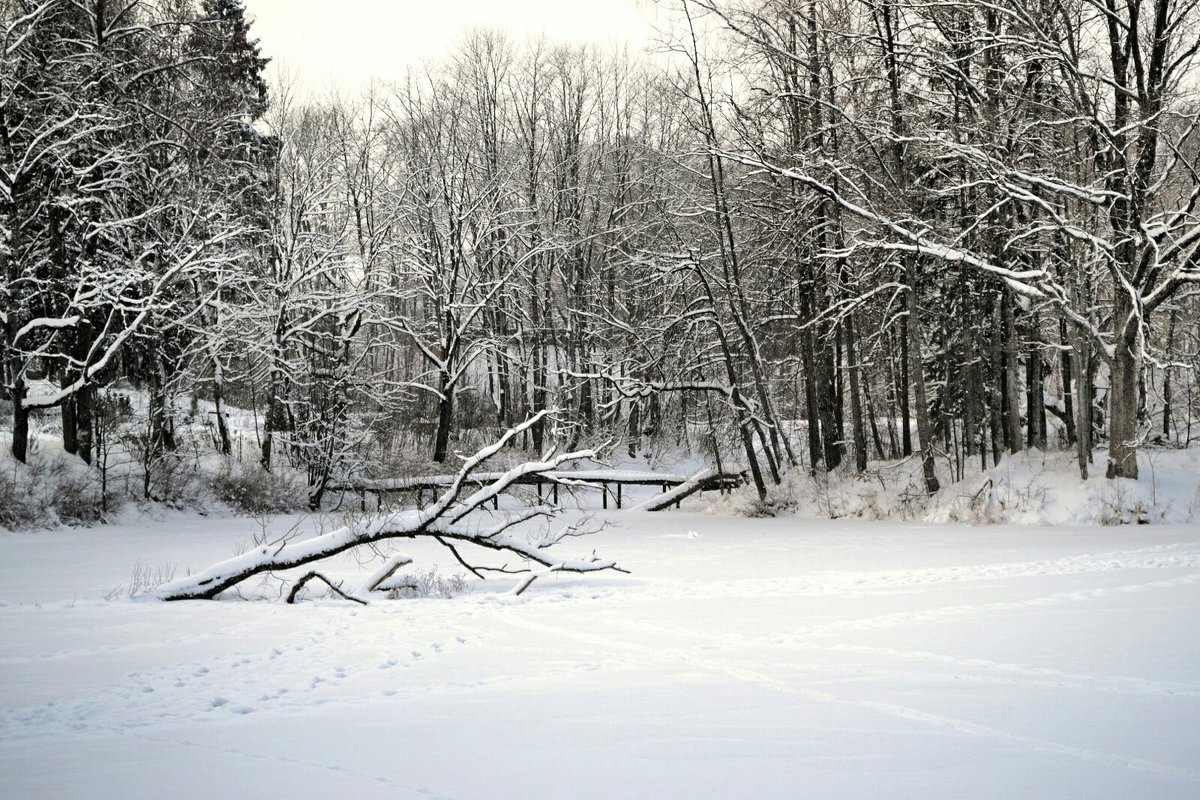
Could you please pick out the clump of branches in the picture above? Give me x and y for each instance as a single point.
(449, 521)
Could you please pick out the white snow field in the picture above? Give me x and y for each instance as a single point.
(776, 658)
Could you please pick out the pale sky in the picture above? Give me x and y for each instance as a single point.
(348, 41)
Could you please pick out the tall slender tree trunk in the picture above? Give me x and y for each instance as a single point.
(1166, 414)
(441, 443)
(996, 416)
(1123, 396)
(20, 441)
(1067, 369)
(1035, 398)
(1083, 428)
(902, 387)
(873, 418)
(67, 412)
(856, 410)
(812, 413)
(273, 417)
(1012, 368)
(85, 400)
(224, 444)
(917, 371)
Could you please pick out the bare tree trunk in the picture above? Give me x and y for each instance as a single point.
(1067, 375)
(812, 413)
(20, 442)
(224, 444)
(924, 429)
(273, 417)
(85, 400)
(856, 411)
(872, 416)
(1123, 396)
(67, 412)
(162, 424)
(1083, 429)
(1166, 415)
(1012, 396)
(996, 419)
(1035, 399)
(441, 443)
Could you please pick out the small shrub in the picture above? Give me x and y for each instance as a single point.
(429, 583)
(780, 500)
(143, 579)
(75, 496)
(773, 505)
(251, 489)
(48, 491)
(20, 505)
(1121, 506)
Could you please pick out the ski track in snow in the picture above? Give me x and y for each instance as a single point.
(155, 694)
(1170, 556)
(749, 675)
(397, 653)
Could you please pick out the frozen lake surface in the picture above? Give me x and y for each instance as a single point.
(776, 658)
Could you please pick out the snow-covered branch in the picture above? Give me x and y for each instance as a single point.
(447, 519)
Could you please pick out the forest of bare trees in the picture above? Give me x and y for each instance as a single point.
(800, 234)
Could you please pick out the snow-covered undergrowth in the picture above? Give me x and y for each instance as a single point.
(1030, 488)
(56, 488)
(50, 490)
(764, 658)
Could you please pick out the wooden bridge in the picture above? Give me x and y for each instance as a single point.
(610, 483)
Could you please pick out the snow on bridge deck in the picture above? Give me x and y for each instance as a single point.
(608, 481)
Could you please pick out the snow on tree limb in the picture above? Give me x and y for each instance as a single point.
(445, 520)
(1020, 281)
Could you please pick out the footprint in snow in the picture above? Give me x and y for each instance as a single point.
(200, 671)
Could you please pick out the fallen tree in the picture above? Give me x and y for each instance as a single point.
(694, 484)
(448, 521)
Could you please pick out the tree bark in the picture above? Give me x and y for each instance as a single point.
(1012, 394)
(917, 371)
(1035, 399)
(1067, 376)
(20, 442)
(856, 411)
(441, 444)
(1123, 396)
(1166, 414)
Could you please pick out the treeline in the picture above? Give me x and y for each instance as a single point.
(809, 232)
(133, 200)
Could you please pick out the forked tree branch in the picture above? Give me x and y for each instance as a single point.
(444, 521)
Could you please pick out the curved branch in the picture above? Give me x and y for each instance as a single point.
(444, 520)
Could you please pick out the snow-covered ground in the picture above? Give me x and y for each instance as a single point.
(767, 658)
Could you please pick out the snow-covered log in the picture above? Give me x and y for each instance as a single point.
(669, 498)
(445, 521)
